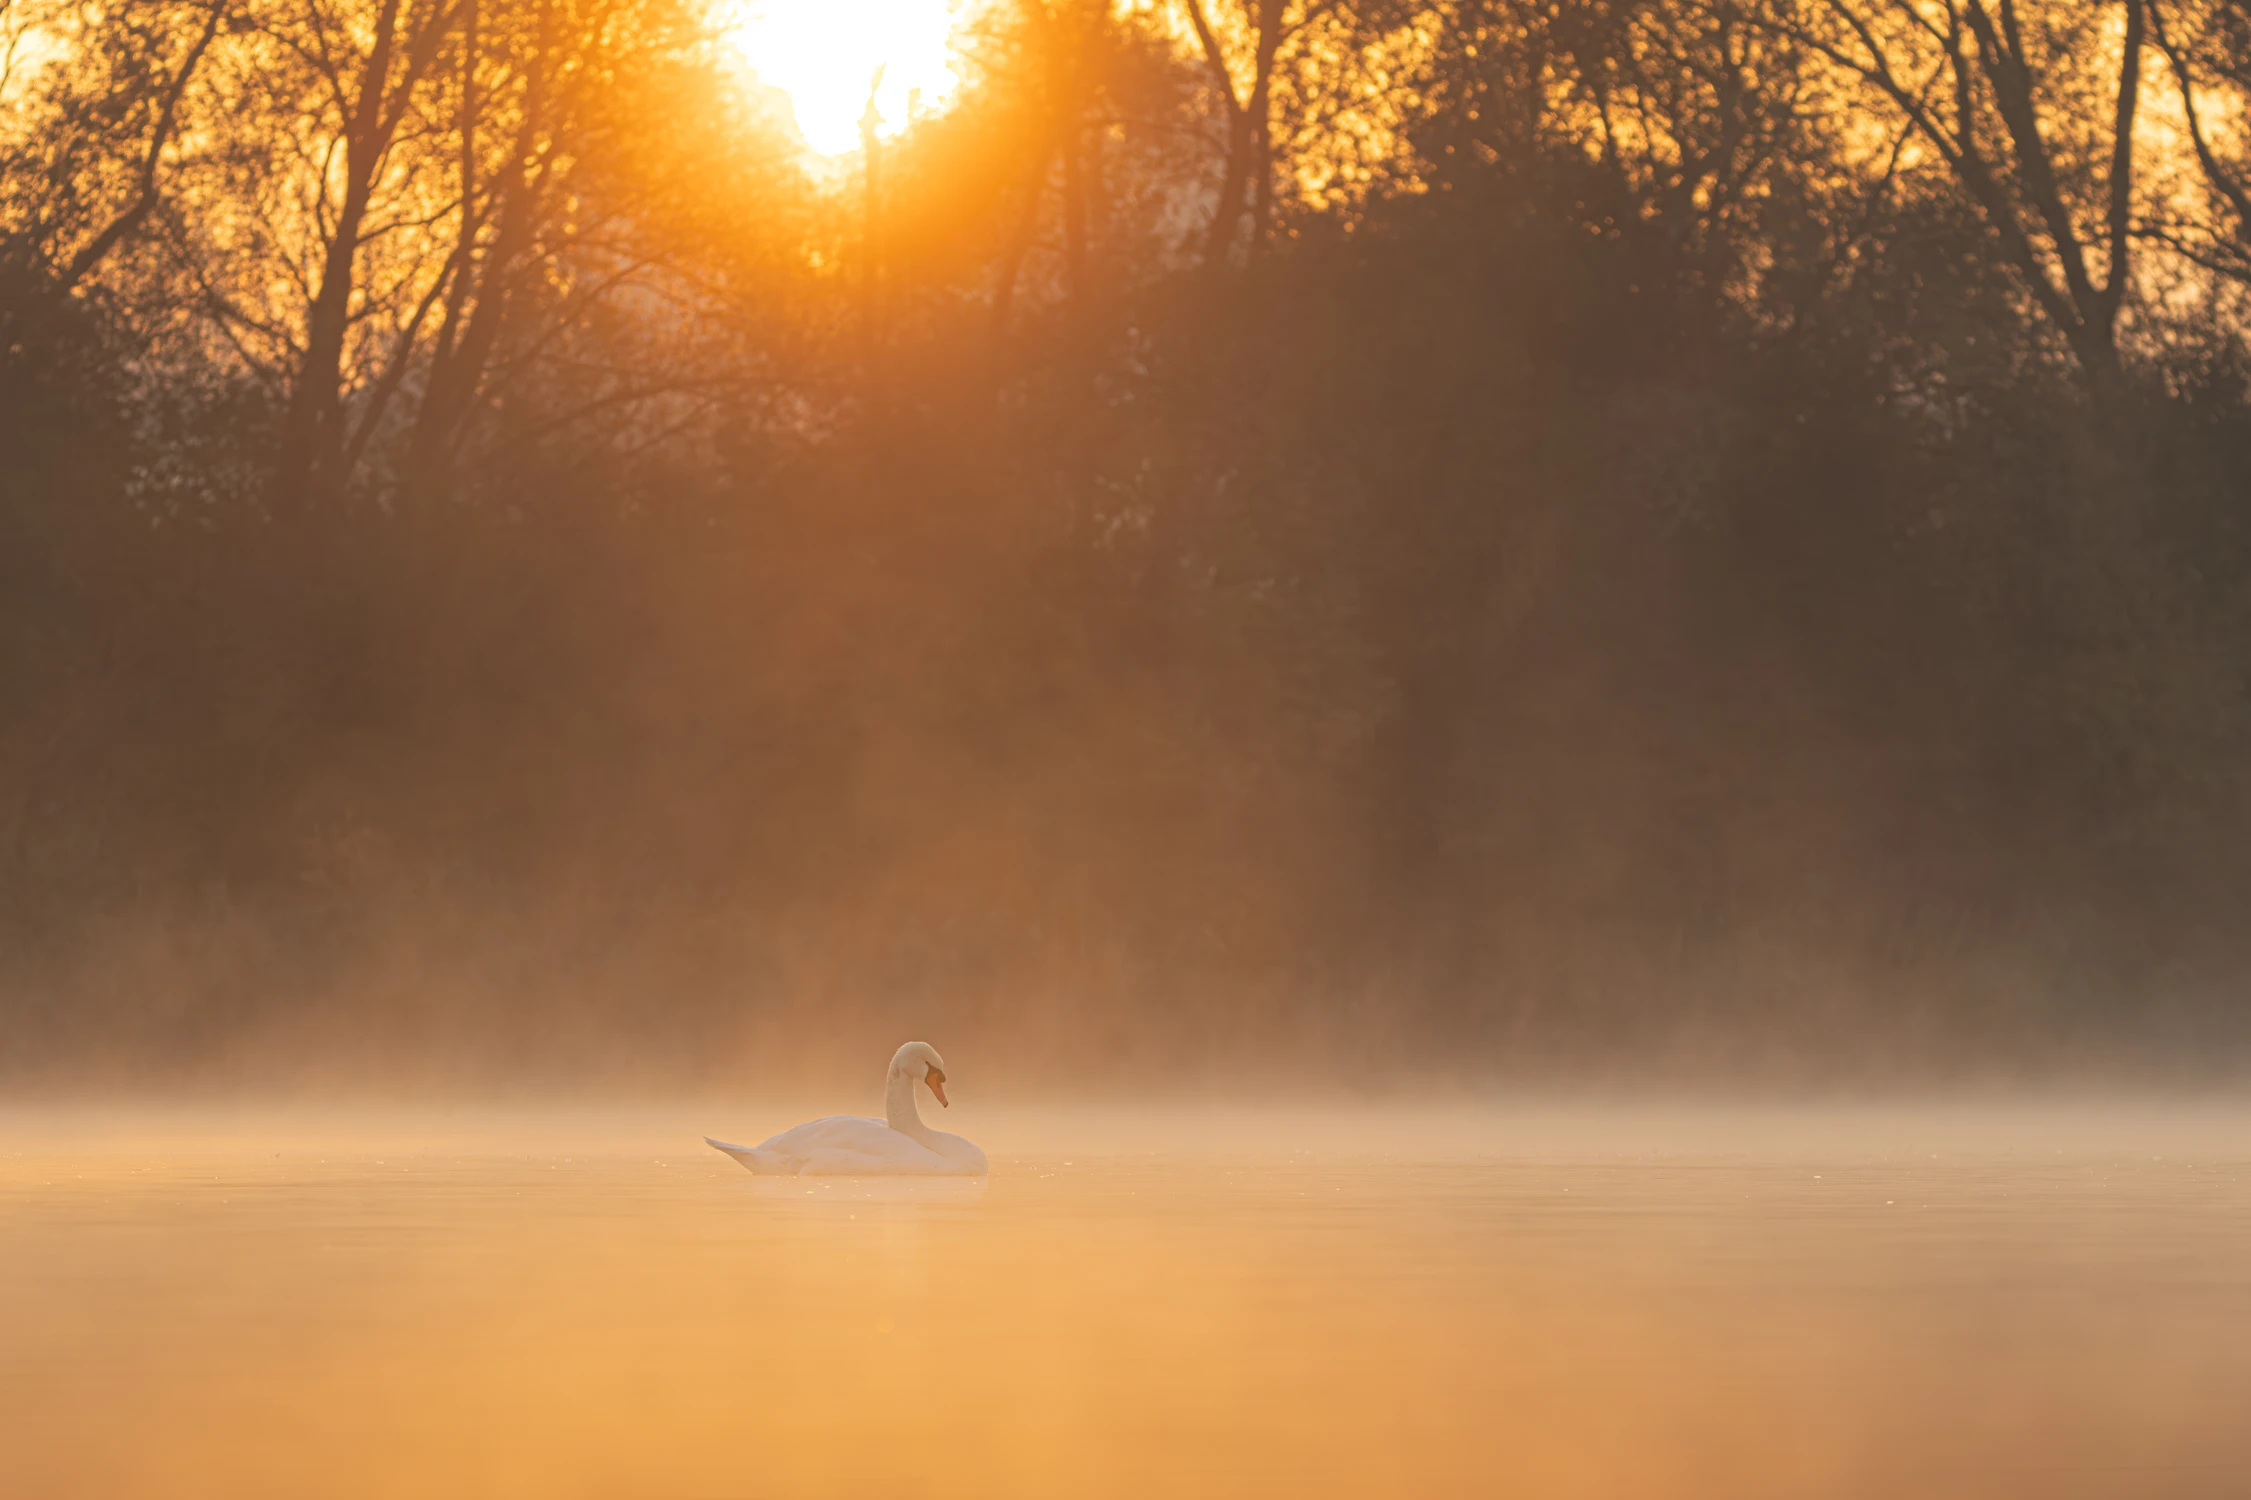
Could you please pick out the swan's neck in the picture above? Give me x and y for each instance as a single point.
(898, 1106)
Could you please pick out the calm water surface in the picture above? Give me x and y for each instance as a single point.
(1559, 1303)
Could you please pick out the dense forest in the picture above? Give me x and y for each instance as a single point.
(1545, 538)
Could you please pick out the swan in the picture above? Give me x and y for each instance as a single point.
(899, 1144)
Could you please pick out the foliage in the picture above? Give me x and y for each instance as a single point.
(1658, 531)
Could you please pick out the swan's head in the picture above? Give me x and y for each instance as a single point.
(920, 1061)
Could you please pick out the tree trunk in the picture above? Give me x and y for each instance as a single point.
(477, 305)
(1246, 189)
(310, 460)
(1019, 242)
(2025, 202)
(1074, 214)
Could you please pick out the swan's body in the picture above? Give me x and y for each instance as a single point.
(856, 1146)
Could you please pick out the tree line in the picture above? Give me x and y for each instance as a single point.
(1668, 529)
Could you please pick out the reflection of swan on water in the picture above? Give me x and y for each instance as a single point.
(855, 1146)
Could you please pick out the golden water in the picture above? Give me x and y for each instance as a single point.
(1561, 1303)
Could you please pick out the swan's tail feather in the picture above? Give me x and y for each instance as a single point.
(745, 1156)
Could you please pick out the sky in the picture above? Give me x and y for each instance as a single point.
(822, 53)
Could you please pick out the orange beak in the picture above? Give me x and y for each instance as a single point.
(937, 1082)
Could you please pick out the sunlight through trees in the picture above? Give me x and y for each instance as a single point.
(1527, 501)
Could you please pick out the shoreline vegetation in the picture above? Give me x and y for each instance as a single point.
(1686, 540)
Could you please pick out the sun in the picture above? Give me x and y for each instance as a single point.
(823, 52)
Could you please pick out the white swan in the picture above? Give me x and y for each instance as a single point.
(855, 1146)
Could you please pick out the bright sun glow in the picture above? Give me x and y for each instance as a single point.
(822, 53)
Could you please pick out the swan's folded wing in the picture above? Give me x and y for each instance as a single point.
(963, 1158)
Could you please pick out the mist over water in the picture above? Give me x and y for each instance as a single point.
(1568, 1301)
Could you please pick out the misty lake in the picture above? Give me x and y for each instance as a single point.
(1557, 1302)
